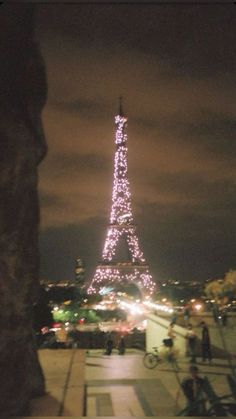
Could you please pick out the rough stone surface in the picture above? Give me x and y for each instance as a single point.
(23, 92)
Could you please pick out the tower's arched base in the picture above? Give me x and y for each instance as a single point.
(123, 274)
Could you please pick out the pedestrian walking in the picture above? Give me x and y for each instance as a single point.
(215, 312)
(174, 317)
(186, 314)
(224, 316)
(73, 337)
(191, 338)
(109, 346)
(121, 346)
(206, 343)
(193, 389)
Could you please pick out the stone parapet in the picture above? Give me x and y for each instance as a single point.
(64, 371)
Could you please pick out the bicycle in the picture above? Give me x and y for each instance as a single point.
(152, 359)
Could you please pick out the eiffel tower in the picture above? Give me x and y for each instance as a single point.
(109, 272)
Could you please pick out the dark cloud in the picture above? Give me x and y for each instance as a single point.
(193, 40)
(75, 163)
(218, 131)
(199, 192)
(181, 243)
(85, 108)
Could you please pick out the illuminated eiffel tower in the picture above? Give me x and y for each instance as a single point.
(110, 272)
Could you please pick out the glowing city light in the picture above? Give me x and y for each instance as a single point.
(159, 307)
(198, 307)
(133, 308)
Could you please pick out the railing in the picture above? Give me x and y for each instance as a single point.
(218, 405)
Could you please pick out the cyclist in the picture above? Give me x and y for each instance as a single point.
(172, 351)
(169, 342)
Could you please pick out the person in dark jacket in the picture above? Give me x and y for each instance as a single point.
(215, 312)
(174, 317)
(193, 388)
(186, 315)
(224, 316)
(206, 343)
(109, 345)
(121, 346)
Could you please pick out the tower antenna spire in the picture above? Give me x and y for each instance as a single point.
(121, 106)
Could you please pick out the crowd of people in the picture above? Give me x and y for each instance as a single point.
(191, 340)
(110, 345)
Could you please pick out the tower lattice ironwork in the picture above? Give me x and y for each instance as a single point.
(110, 272)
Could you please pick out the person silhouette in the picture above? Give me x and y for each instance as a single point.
(121, 346)
(206, 343)
(109, 345)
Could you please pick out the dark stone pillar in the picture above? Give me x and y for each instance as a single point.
(23, 91)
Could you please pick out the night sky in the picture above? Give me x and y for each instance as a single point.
(175, 67)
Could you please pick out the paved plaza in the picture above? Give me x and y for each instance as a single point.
(87, 383)
(92, 384)
(121, 386)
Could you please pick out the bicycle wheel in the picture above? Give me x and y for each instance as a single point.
(174, 364)
(150, 360)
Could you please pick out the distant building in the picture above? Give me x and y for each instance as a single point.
(179, 290)
(79, 273)
(78, 281)
(47, 283)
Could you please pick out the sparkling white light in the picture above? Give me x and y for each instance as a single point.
(121, 224)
